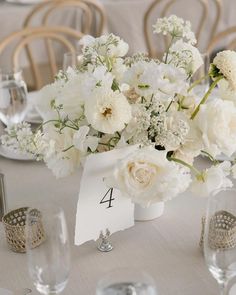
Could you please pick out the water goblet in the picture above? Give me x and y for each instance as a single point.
(13, 97)
(72, 60)
(126, 281)
(220, 237)
(49, 262)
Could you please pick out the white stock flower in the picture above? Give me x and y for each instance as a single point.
(105, 45)
(146, 176)
(82, 141)
(176, 27)
(59, 157)
(217, 122)
(148, 78)
(214, 178)
(107, 111)
(225, 62)
(185, 56)
(44, 98)
(172, 81)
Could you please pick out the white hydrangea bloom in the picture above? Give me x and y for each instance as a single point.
(107, 111)
(214, 178)
(176, 27)
(225, 62)
(217, 122)
(147, 177)
(184, 56)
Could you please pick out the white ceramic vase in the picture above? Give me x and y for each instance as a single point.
(149, 213)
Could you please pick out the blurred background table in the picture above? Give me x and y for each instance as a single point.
(167, 247)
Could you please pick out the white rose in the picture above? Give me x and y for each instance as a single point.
(214, 178)
(217, 122)
(146, 176)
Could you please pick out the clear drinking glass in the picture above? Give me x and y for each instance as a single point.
(48, 263)
(13, 97)
(126, 282)
(220, 237)
(72, 59)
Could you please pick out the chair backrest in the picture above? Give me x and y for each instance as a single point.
(90, 12)
(202, 8)
(25, 37)
(225, 39)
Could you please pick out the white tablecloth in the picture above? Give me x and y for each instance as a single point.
(167, 247)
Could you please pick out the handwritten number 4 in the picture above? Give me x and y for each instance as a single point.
(109, 199)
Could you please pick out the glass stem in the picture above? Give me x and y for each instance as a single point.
(223, 288)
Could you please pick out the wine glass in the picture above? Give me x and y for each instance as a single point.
(72, 59)
(125, 281)
(48, 262)
(13, 97)
(220, 237)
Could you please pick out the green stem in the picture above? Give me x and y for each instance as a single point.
(197, 82)
(185, 164)
(67, 149)
(213, 85)
(168, 50)
(215, 162)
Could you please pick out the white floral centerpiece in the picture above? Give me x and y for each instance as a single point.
(111, 101)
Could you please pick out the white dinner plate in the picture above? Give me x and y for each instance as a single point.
(5, 292)
(9, 154)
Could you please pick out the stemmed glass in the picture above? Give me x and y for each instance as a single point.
(126, 281)
(72, 59)
(13, 97)
(220, 237)
(48, 262)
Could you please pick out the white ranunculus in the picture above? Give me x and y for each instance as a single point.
(82, 141)
(185, 56)
(214, 178)
(146, 176)
(217, 122)
(107, 111)
(225, 62)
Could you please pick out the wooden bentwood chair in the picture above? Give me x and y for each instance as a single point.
(25, 37)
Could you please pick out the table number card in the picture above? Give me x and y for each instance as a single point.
(100, 207)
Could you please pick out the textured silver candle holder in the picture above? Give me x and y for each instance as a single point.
(105, 245)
